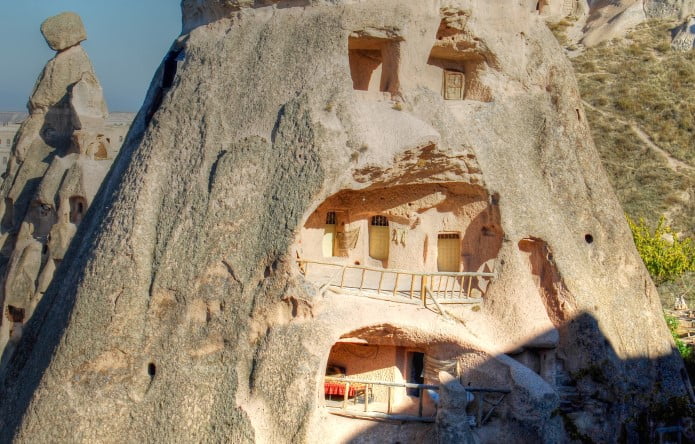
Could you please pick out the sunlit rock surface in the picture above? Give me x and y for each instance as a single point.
(190, 311)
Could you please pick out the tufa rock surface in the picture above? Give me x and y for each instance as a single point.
(280, 136)
(59, 158)
(63, 31)
(684, 39)
(591, 22)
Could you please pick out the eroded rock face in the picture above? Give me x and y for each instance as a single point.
(59, 159)
(669, 9)
(594, 21)
(63, 31)
(276, 140)
(684, 39)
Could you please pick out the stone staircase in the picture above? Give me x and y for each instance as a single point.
(570, 399)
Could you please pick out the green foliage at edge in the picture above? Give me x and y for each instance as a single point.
(666, 256)
(685, 351)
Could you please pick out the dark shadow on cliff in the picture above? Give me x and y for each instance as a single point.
(596, 398)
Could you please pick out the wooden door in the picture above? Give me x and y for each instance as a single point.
(328, 244)
(379, 238)
(449, 252)
(453, 85)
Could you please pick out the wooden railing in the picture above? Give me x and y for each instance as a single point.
(489, 398)
(485, 400)
(443, 287)
(388, 414)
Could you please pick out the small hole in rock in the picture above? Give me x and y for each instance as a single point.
(588, 238)
(357, 262)
(151, 369)
(579, 115)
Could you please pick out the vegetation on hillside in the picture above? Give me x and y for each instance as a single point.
(685, 351)
(666, 255)
(640, 97)
(669, 260)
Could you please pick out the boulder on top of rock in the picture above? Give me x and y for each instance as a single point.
(63, 31)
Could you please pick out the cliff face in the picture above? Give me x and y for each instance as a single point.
(59, 157)
(591, 22)
(388, 128)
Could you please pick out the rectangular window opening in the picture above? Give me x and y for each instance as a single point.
(373, 63)
(416, 371)
(380, 221)
(330, 218)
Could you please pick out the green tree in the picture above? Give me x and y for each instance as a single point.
(666, 256)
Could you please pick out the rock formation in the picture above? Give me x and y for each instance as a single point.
(59, 158)
(596, 21)
(281, 140)
(684, 39)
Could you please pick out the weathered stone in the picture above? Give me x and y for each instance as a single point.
(59, 157)
(87, 103)
(63, 31)
(183, 315)
(594, 21)
(612, 20)
(669, 9)
(452, 417)
(684, 40)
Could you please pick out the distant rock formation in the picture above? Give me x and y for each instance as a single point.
(684, 39)
(597, 21)
(60, 156)
(381, 190)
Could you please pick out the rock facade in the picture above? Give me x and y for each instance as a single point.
(188, 311)
(60, 155)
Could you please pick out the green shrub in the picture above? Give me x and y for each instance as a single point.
(685, 351)
(666, 256)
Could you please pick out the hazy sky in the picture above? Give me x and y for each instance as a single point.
(127, 40)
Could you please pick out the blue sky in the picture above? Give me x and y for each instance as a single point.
(127, 40)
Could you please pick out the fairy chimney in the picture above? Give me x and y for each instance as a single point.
(315, 193)
(60, 156)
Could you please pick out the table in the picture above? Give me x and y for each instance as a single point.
(338, 388)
